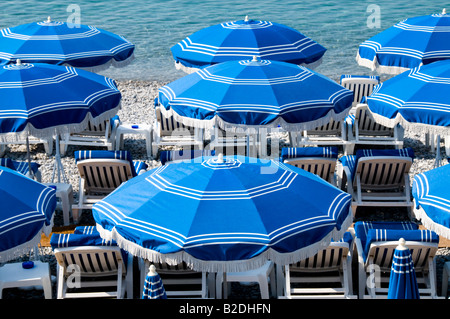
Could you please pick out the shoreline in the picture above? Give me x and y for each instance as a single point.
(137, 107)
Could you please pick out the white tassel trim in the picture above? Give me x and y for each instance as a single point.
(226, 266)
(416, 127)
(112, 62)
(428, 223)
(59, 129)
(20, 250)
(253, 129)
(313, 65)
(374, 65)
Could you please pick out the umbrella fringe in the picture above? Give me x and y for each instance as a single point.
(60, 129)
(416, 127)
(107, 65)
(226, 266)
(374, 65)
(313, 65)
(20, 250)
(254, 129)
(428, 223)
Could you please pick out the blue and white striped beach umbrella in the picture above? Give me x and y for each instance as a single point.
(403, 281)
(419, 98)
(408, 44)
(245, 95)
(45, 100)
(432, 199)
(27, 209)
(243, 39)
(153, 285)
(224, 214)
(63, 43)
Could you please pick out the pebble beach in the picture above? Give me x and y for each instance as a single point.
(137, 107)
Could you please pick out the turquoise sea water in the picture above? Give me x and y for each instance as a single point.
(156, 25)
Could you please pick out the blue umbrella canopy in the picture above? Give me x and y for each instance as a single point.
(230, 214)
(240, 40)
(408, 44)
(153, 285)
(432, 199)
(418, 98)
(27, 209)
(403, 281)
(245, 95)
(45, 100)
(60, 43)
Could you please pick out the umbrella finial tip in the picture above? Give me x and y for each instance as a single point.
(255, 58)
(443, 11)
(402, 244)
(246, 18)
(49, 19)
(152, 270)
(220, 158)
(18, 62)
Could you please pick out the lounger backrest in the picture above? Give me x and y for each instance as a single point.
(167, 125)
(367, 125)
(383, 173)
(103, 128)
(322, 167)
(92, 261)
(382, 253)
(327, 259)
(379, 240)
(317, 160)
(104, 176)
(93, 255)
(360, 85)
(332, 127)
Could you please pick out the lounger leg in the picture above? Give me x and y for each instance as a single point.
(445, 276)
(263, 286)
(47, 286)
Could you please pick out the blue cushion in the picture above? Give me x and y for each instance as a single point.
(87, 230)
(73, 240)
(295, 152)
(351, 161)
(167, 156)
(362, 229)
(122, 155)
(374, 235)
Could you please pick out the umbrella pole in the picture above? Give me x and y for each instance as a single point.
(30, 172)
(58, 166)
(437, 162)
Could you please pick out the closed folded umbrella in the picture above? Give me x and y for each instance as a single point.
(224, 214)
(403, 281)
(27, 209)
(153, 285)
(243, 39)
